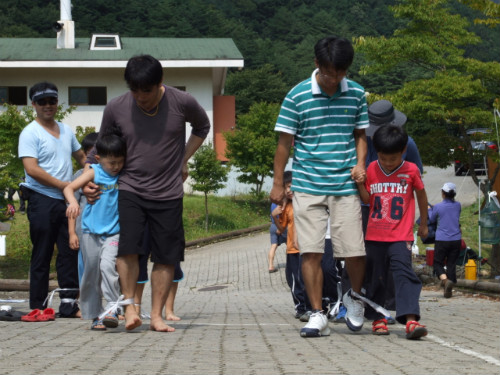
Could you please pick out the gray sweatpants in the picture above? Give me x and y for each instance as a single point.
(100, 277)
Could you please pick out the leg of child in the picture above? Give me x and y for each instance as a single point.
(90, 286)
(375, 283)
(169, 305)
(110, 282)
(408, 288)
(270, 257)
(139, 290)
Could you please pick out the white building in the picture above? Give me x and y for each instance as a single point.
(89, 71)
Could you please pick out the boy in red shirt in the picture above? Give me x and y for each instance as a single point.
(389, 189)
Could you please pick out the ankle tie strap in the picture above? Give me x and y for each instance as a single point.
(115, 305)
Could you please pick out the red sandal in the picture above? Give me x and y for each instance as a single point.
(379, 327)
(32, 316)
(415, 330)
(46, 315)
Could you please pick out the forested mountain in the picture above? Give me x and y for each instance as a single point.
(279, 33)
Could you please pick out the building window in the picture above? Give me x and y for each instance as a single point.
(17, 95)
(105, 42)
(88, 96)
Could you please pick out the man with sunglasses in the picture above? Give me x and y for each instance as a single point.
(46, 147)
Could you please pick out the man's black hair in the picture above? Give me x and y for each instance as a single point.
(89, 141)
(390, 139)
(287, 177)
(334, 52)
(41, 86)
(111, 143)
(143, 72)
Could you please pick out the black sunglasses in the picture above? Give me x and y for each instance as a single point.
(50, 101)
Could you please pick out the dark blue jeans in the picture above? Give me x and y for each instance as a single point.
(49, 227)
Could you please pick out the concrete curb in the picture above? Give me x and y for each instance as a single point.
(484, 286)
(13, 285)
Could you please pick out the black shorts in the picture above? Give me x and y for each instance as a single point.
(164, 219)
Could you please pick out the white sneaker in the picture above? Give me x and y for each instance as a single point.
(354, 317)
(317, 326)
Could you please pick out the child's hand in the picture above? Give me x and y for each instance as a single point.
(74, 242)
(278, 210)
(358, 174)
(423, 231)
(73, 211)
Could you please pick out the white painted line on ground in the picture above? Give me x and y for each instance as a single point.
(450, 345)
(238, 324)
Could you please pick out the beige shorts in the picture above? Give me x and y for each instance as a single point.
(311, 214)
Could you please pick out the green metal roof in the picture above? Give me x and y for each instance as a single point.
(44, 49)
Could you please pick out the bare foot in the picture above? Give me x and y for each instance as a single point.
(171, 316)
(132, 320)
(159, 325)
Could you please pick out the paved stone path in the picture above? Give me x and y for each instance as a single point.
(238, 319)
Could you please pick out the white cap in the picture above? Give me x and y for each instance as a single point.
(449, 186)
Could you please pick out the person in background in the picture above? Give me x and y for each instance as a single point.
(448, 237)
(277, 238)
(46, 147)
(284, 219)
(75, 226)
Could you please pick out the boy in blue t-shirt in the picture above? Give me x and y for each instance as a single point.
(100, 231)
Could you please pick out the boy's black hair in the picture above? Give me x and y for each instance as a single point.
(111, 143)
(390, 139)
(287, 177)
(334, 52)
(89, 141)
(42, 86)
(143, 72)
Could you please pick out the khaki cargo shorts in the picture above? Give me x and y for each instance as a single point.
(311, 214)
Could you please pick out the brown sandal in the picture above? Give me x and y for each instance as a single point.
(379, 327)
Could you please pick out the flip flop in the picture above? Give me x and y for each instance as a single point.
(110, 321)
(32, 316)
(46, 315)
(97, 325)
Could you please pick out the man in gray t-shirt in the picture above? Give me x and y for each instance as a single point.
(152, 118)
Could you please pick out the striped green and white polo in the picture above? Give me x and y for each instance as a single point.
(323, 126)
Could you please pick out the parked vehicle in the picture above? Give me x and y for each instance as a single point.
(480, 146)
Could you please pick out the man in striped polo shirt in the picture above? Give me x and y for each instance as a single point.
(326, 117)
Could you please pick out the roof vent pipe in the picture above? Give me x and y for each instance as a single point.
(65, 10)
(66, 29)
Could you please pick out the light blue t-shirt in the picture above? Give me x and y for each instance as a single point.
(102, 216)
(53, 154)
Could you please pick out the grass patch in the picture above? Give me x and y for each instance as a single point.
(225, 214)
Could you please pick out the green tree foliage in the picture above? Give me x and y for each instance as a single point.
(457, 92)
(489, 8)
(279, 33)
(252, 145)
(207, 173)
(255, 85)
